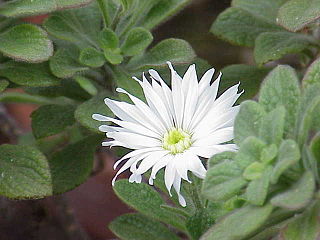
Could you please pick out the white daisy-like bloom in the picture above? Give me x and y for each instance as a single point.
(174, 128)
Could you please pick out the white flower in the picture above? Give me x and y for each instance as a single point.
(174, 128)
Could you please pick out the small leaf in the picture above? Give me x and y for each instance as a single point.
(248, 121)
(312, 75)
(296, 14)
(26, 74)
(254, 171)
(257, 189)
(138, 39)
(239, 27)
(24, 172)
(315, 146)
(49, 120)
(298, 196)
(3, 85)
(250, 78)
(271, 46)
(84, 111)
(272, 126)
(86, 84)
(146, 200)
(305, 226)
(174, 50)
(269, 153)
(217, 158)
(26, 42)
(281, 87)
(199, 223)
(113, 56)
(15, 97)
(137, 226)
(250, 217)
(91, 57)
(64, 65)
(36, 7)
(288, 155)
(108, 39)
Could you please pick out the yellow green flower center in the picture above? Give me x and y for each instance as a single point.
(176, 141)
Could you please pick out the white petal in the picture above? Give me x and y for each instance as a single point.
(169, 176)
(99, 117)
(181, 167)
(205, 80)
(150, 160)
(208, 152)
(176, 185)
(134, 140)
(220, 136)
(194, 164)
(162, 163)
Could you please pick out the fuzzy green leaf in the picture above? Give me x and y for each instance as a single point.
(108, 39)
(15, 97)
(254, 171)
(296, 14)
(91, 57)
(243, 222)
(83, 113)
(281, 87)
(139, 227)
(86, 84)
(272, 126)
(199, 223)
(146, 200)
(24, 172)
(26, 74)
(138, 39)
(240, 27)
(113, 56)
(270, 46)
(26, 42)
(3, 85)
(174, 50)
(49, 120)
(312, 75)
(315, 146)
(269, 153)
(22, 8)
(298, 196)
(248, 121)
(217, 158)
(289, 154)
(64, 65)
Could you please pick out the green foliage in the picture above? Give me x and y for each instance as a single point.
(26, 42)
(312, 75)
(199, 223)
(138, 39)
(296, 14)
(91, 57)
(139, 227)
(3, 85)
(48, 120)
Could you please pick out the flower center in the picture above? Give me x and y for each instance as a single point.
(176, 141)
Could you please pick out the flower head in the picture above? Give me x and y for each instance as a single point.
(174, 128)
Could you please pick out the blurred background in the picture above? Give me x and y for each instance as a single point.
(85, 212)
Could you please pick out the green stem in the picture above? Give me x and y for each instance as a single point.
(103, 9)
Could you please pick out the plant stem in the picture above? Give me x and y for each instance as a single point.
(103, 9)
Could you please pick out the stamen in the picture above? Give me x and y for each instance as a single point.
(176, 141)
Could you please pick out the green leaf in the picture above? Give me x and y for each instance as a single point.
(298, 196)
(270, 46)
(26, 42)
(269, 153)
(281, 87)
(91, 57)
(174, 50)
(83, 113)
(267, 10)
(217, 158)
(296, 14)
(108, 39)
(86, 84)
(14, 97)
(138, 39)
(72, 165)
(79, 26)
(239, 27)
(24, 172)
(257, 189)
(305, 226)
(26, 74)
(250, 217)
(315, 146)
(250, 78)
(3, 85)
(146, 200)
(113, 56)
(161, 11)
(22, 8)
(254, 171)
(136, 226)
(272, 126)
(289, 154)
(312, 75)
(49, 120)
(65, 65)
(199, 223)
(248, 121)
(249, 152)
